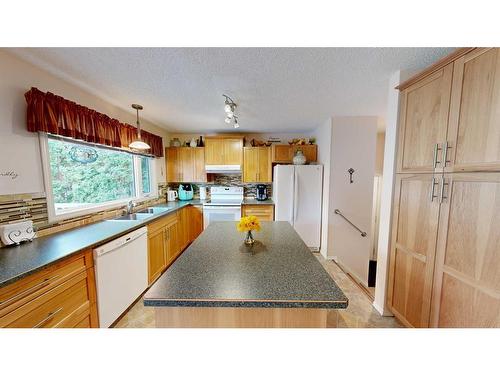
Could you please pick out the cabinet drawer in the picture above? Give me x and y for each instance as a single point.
(263, 212)
(30, 288)
(161, 223)
(55, 308)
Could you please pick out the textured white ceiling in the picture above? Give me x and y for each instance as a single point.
(277, 89)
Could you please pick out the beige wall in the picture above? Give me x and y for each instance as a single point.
(284, 137)
(353, 146)
(379, 158)
(20, 149)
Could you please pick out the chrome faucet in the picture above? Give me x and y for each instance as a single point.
(130, 206)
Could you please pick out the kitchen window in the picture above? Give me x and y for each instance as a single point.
(82, 178)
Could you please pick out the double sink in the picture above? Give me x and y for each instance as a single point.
(143, 214)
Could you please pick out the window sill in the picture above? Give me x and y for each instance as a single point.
(71, 214)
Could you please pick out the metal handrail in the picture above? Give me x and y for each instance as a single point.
(337, 211)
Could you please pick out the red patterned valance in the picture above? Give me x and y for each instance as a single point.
(53, 114)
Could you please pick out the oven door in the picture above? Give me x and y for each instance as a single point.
(220, 213)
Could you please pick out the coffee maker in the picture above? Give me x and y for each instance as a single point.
(261, 192)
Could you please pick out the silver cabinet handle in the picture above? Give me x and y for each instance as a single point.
(435, 159)
(26, 292)
(47, 318)
(446, 146)
(441, 195)
(433, 186)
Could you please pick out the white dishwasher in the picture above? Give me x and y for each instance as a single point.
(121, 271)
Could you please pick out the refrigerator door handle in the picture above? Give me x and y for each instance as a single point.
(295, 195)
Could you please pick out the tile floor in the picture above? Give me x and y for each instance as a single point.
(359, 314)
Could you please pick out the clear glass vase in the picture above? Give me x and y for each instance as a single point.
(249, 240)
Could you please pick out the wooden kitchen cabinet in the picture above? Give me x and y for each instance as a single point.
(309, 151)
(414, 233)
(281, 153)
(62, 296)
(265, 212)
(157, 254)
(285, 153)
(185, 164)
(195, 222)
(467, 272)
(423, 122)
(257, 164)
(163, 245)
(184, 224)
(473, 139)
(224, 150)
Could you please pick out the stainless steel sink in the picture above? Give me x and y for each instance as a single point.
(154, 210)
(133, 217)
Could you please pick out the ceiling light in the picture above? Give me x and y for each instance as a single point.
(138, 144)
(230, 115)
(236, 125)
(227, 120)
(228, 108)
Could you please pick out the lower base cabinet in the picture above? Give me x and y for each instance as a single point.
(445, 255)
(264, 212)
(169, 236)
(61, 296)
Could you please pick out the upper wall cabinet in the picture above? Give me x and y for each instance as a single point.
(224, 150)
(285, 153)
(423, 122)
(473, 141)
(185, 164)
(257, 164)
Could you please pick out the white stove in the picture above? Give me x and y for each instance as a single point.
(224, 204)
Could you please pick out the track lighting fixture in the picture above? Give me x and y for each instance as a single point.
(229, 108)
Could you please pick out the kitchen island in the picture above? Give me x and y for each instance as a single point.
(220, 282)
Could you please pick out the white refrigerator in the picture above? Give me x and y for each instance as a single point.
(297, 195)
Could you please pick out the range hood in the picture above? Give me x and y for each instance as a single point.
(223, 169)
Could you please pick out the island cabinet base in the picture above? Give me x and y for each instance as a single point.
(239, 317)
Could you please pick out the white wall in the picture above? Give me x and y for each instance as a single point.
(386, 199)
(19, 149)
(353, 146)
(323, 135)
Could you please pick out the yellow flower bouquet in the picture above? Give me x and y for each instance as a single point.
(248, 224)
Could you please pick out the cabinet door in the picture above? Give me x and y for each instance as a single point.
(414, 233)
(309, 151)
(474, 130)
(233, 151)
(423, 122)
(281, 154)
(250, 164)
(199, 165)
(195, 222)
(183, 228)
(214, 151)
(172, 248)
(172, 164)
(265, 173)
(467, 276)
(156, 254)
(186, 161)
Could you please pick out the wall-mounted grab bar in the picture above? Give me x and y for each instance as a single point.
(337, 211)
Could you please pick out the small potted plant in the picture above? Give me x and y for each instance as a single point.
(248, 224)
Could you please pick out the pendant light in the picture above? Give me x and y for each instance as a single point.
(138, 144)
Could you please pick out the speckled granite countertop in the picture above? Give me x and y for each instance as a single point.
(20, 261)
(255, 201)
(218, 270)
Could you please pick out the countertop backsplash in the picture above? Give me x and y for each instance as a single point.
(249, 189)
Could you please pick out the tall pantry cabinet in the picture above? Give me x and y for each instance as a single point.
(445, 249)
